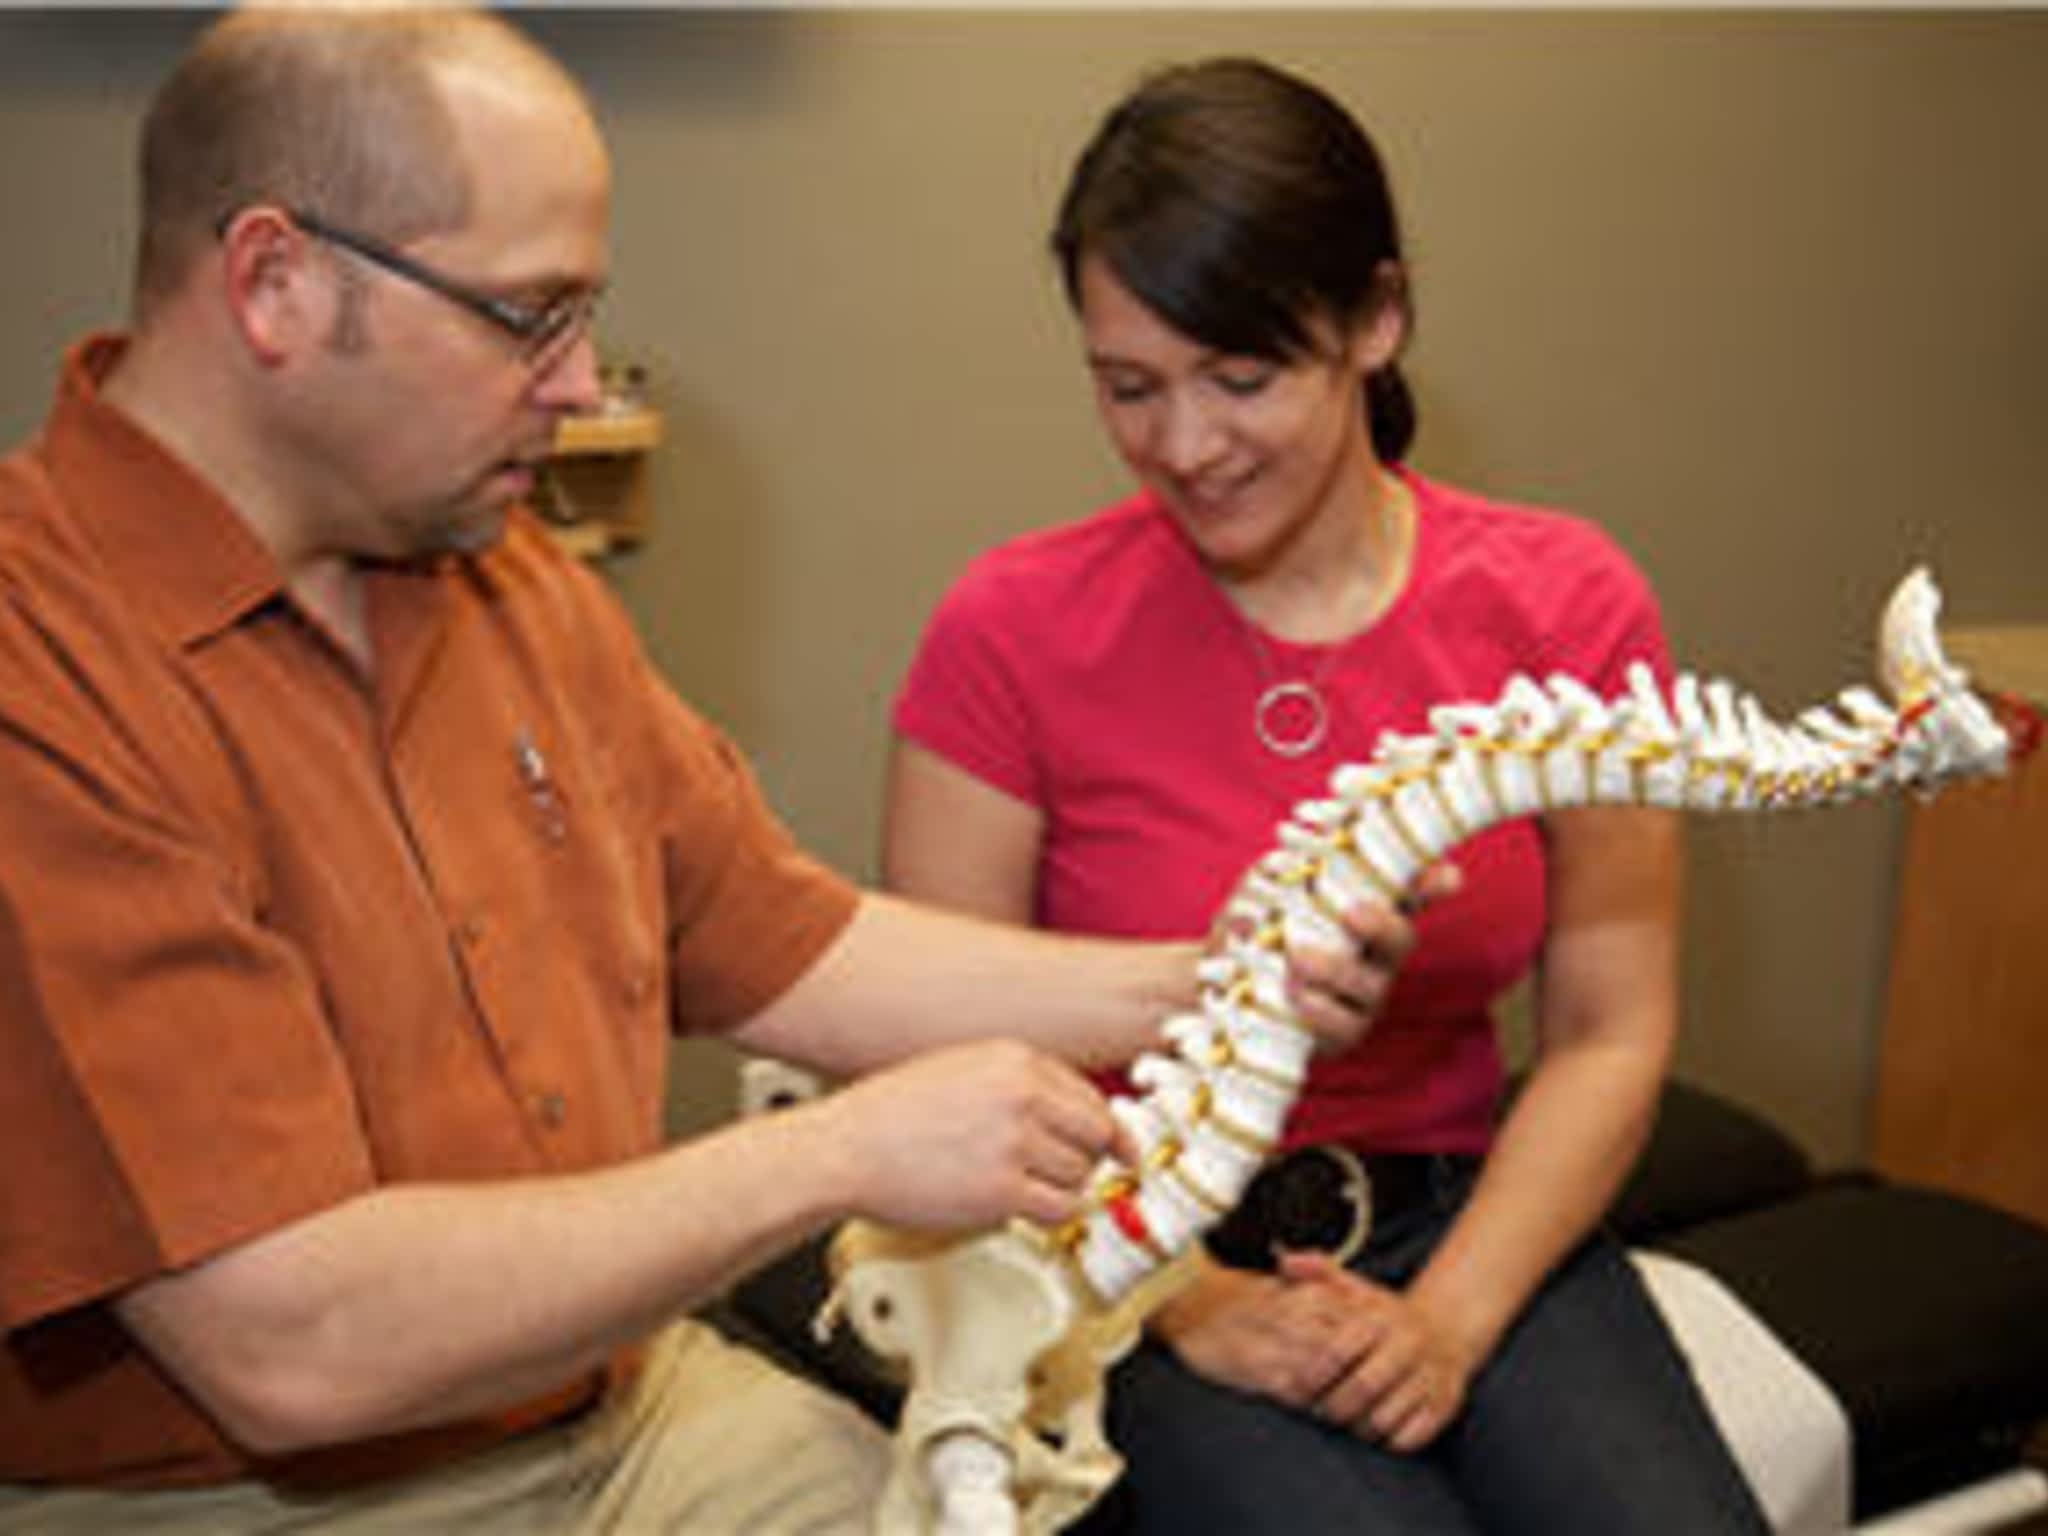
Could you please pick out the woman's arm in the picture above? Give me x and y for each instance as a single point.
(950, 839)
(1606, 1022)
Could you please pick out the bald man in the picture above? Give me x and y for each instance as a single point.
(359, 869)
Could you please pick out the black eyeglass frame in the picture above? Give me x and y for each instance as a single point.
(537, 328)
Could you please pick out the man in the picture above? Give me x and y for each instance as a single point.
(357, 866)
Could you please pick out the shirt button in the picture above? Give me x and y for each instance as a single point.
(470, 932)
(639, 987)
(551, 1109)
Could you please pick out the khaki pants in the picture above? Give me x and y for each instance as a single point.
(711, 1441)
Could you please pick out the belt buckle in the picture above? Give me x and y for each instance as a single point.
(1317, 1198)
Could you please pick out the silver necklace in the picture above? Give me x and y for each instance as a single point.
(1291, 717)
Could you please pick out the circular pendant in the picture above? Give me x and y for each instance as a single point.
(1291, 719)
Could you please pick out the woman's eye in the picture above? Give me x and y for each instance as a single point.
(1242, 381)
(1125, 391)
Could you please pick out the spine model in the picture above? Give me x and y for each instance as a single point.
(1006, 1334)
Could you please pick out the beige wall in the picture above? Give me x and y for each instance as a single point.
(1764, 295)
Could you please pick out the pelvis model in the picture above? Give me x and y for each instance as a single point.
(1005, 1334)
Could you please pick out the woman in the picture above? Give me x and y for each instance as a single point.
(1101, 729)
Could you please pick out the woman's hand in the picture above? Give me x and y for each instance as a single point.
(1260, 1334)
(1410, 1369)
(1324, 1341)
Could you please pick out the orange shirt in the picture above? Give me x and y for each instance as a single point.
(273, 932)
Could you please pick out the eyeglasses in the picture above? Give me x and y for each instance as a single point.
(545, 332)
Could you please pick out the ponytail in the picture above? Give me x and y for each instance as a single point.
(1390, 411)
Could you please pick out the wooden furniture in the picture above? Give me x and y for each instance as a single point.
(1962, 1094)
(594, 490)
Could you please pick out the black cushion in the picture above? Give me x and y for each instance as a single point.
(772, 1309)
(1925, 1313)
(1707, 1157)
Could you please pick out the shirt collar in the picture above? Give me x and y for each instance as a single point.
(172, 542)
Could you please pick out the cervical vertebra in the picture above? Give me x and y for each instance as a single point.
(1006, 1334)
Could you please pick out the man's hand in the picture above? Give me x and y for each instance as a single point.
(972, 1135)
(1338, 994)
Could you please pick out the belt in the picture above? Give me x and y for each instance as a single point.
(1324, 1198)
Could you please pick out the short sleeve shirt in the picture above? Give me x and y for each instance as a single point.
(1096, 673)
(274, 932)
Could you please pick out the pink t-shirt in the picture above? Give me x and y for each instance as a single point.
(1096, 672)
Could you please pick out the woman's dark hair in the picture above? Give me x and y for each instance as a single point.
(1239, 203)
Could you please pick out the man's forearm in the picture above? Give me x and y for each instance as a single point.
(906, 977)
(419, 1304)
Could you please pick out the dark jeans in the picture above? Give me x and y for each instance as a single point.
(1585, 1422)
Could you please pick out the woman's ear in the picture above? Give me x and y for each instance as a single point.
(1380, 338)
(267, 283)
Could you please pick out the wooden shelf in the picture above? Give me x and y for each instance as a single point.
(2011, 659)
(608, 432)
(594, 490)
(1963, 1068)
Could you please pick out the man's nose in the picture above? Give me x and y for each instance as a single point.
(570, 383)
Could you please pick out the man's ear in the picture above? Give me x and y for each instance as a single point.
(274, 294)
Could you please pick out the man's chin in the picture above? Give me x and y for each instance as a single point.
(466, 530)
(475, 531)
